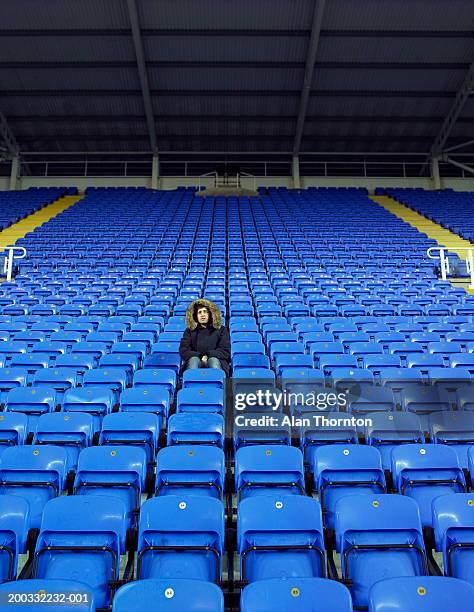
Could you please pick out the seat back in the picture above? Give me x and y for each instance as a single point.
(280, 536)
(261, 468)
(14, 527)
(181, 536)
(424, 471)
(82, 536)
(341, 470)
(190, 470)
(376, 532)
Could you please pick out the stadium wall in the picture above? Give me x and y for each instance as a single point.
(458, 184)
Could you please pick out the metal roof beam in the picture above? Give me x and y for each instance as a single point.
(7, 140)
(463, 94)
(309, 72)
(142, 72)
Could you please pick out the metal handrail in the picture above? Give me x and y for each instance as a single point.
(247, 175)
(214, 174)
(8, 261)
(444, 259)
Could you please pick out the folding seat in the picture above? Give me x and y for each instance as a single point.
(248, 348)
(97, 401)
(82, 536)
(69, 338)
(389, 429)
(160, 377)
(32, 402)
(168, 361)
(181, 536)
(153, 399)
(252, 361)
(430, 593)
(169, 594)
(424, 399)
(424, 362)
(326, 428)
(114, 379)
(11, 378)
(453, 526)
(280, 537)
(113, 470)
(404, 349)
(92, 349)
(12, 348)
(35, 473)
(264, 469)
(209, 377)
(60, 379)
(330, 364)
(455, 429)
(278, 595)
(341, 470)
(379, 363)
(424, 471)
(73, 432)
(30, 337)
(367, 398)
(374, 533)
(190, 470)
(140, 429)
(206, 428)
(13, 429)
(425, 338)
(248, 431)
(202, 399)
(14, 532)
(125, 361)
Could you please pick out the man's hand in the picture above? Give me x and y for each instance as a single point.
(204, 358)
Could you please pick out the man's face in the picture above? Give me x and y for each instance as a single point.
(203, 316)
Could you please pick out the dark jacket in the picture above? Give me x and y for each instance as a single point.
(212, 340)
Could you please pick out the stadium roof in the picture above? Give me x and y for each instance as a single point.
(229, 75)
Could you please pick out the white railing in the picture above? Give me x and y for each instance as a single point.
(442, 255)
(8, 261)
(214, 174)
(246, 175)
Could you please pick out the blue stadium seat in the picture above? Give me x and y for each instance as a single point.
(35, 473)
(427, 594)
(261, 469)
(190, 470)
(114, 470)
(181, 536)
(82, 537)
(153, 398)
(204, 377)
(374, 533)
(424, 471)
(276, 594)
(203, 399)
(31, 401)
(14, 531)
(161, 377)
(73, 431)
(173, 594)
(341, 470)
(97, 401)
(389, 429)
(140, 429)
(188, 428)
(326, 428)
(280, 536)
(13, 429)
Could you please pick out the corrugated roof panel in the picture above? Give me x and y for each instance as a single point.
(383, 106)
(392, 50)
(232, 104)
(383, 79)
(55, 78)
(403, 15)
(227, 14)
(66, 48)
(225, 48)
(225, 127)
(231, 79)
(72, 105)
(58, 14)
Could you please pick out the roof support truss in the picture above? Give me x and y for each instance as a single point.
(309, 72)
(142, 72)
(7, 139)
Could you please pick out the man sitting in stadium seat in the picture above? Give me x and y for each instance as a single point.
(205, 342)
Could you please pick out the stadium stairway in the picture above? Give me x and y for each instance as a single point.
(442, 236)
(19, 230)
